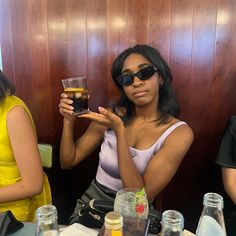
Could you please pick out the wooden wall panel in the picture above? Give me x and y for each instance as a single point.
(40, 77)
(77, 38)
(159, 26)
(58, 62)
(57, 49)
(116, 35)
(44, 41)
(6, 40)
(21, 49)
(96, 47)
(137, 22)
(181, 50)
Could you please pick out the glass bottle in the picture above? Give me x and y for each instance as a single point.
(172, 223)
(113, 225)
(211, 221)
(46, 219)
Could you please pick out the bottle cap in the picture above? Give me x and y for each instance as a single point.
(113, 220)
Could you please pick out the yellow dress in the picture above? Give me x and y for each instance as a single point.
(23, 210)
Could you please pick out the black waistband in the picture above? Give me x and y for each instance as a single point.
(106, 190)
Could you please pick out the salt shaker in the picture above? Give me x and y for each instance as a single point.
(172, 223)
(211, 221)
(46, 219)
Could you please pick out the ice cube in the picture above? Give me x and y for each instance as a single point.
(78, 95)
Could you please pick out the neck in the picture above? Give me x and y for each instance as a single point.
(146, 114)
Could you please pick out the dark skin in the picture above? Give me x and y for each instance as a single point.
(144, 94)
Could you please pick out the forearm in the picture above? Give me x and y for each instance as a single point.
(229, 180)
(20, 190)
(67, 147)
(231, 191)
(129, 173)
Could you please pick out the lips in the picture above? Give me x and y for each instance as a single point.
(139, 93)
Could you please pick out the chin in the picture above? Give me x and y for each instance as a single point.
(141, 103)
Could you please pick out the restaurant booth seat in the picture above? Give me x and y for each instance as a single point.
(45, 151)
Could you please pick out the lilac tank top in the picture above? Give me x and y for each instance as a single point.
(108, 171)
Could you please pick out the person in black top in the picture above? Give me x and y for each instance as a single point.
(227, 160)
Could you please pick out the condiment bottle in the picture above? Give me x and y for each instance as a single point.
(211, 221)
(172, 223)
(113, 225)
(46, 219)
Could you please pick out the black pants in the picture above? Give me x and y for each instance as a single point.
(94, 191)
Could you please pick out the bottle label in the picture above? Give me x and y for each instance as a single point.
(209, 226)
(116, 233)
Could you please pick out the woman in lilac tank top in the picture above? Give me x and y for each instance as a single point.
(142, 142)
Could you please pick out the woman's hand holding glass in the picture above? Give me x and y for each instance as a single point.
(105, 117)
(66, 108)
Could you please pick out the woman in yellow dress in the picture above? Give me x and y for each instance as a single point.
(23, 185)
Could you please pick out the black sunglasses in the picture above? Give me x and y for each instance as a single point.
(143, 74)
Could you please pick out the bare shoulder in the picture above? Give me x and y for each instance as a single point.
(182, 132)
(17, 113)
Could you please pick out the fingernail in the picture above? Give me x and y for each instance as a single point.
(101, 109)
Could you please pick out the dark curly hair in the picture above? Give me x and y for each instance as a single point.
(5, 86)
(167, 105)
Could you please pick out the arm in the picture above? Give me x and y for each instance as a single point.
(71, 152)
(129, 173)
(25, 149)
(163, 166)
(229, 181)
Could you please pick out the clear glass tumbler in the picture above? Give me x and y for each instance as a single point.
(76, 90)
(131, 203)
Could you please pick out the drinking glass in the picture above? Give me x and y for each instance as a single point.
(76, 90)
(131, 203)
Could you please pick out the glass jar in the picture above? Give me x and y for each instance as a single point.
(172, 223)
(113, 224)
(211, 221)
(46, 219)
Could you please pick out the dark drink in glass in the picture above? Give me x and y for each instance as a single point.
(80, 99)
(76, 90)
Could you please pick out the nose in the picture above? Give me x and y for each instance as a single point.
(137, 81)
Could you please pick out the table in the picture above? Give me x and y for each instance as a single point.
(29, 229)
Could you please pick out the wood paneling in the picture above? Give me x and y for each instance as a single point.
(159, 26)
(44, 41)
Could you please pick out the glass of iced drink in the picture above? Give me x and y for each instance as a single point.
(131, 202)
(76, 90)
